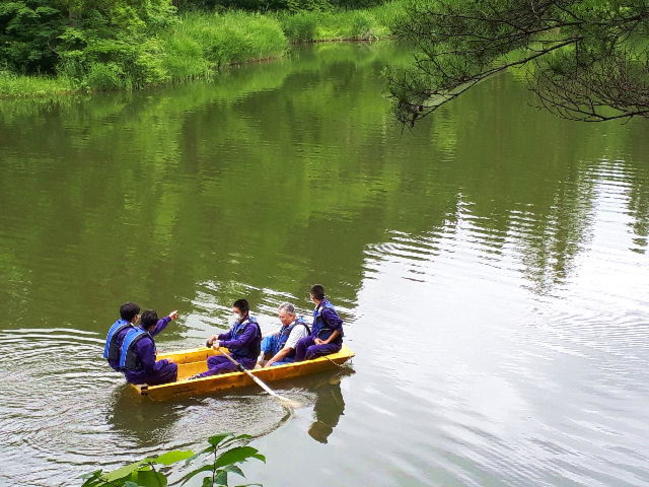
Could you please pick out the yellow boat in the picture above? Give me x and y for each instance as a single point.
(194, 361)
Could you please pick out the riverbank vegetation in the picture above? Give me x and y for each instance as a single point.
(51, 47)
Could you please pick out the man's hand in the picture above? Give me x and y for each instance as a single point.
(211, 340)
(173, 315)
(317, 341)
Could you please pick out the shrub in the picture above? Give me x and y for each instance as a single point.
(35, 35)
(183, 57)
(300, 27)
(148, 67)
(363, 26)
(105, 76)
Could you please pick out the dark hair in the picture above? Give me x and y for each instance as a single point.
(148, 319)
(128, 311)
(242, 305)
(317, 291)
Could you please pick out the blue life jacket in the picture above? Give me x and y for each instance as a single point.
(285, 332)
(252, 349)
(128, 359)
(321, 329)
(112, 346)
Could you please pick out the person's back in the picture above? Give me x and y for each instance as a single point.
(138, 351)
(115, 337)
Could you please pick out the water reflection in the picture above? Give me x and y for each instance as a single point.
(143, 191)
(147, 424)
(329, 405)
(139, 421)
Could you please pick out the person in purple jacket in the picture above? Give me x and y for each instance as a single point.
(326, 331)
(243, 340)
(137, 354)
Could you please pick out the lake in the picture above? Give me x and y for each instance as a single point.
(491, 265)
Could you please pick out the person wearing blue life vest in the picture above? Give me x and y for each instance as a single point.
(279, 348)
(129, 317)
(137, 353)
(243, 341)
(326, 335)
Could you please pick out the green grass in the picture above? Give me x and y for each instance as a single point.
(357, 25)
(17, 86)
(200, 45)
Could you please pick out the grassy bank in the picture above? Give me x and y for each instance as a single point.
(199, 45)
(351, 25)
(17, 86)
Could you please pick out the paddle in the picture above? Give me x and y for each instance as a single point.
(261, 383)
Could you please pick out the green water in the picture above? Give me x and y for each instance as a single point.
(491, 266)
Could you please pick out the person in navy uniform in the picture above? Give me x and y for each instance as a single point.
(138, 351)
(243, 341)
(326, 335)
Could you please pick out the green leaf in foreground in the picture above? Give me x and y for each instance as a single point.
(172, 457)
(215, 473)
(151, 478)
(238, 455)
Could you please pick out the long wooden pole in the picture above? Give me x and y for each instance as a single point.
(261, 383)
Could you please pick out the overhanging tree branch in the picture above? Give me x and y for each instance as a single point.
(581, 67)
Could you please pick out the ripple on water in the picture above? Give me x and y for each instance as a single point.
(61, 405)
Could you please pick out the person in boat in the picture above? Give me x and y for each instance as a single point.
(137, 353)
(129, 317)
(243, 341)
(279, 348)
(326, 335)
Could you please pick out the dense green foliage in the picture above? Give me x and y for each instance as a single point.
(587, 59)
(40, 35)
(224, 460)
(127, 44)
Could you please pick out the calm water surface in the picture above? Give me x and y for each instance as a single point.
(491, 266)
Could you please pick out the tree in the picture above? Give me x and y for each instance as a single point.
(584, 60)
(79, 36)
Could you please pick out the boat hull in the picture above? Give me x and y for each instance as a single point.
(194, 361)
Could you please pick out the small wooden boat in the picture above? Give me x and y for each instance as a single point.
(194, 361)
